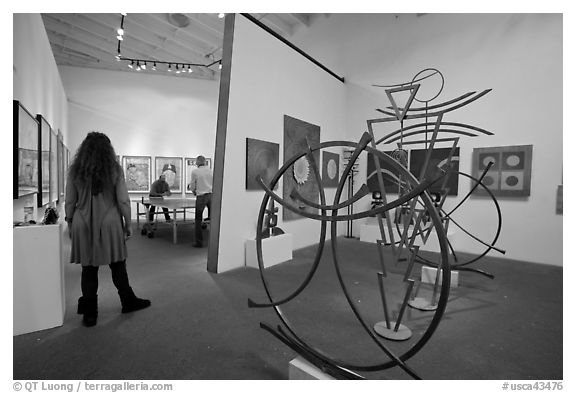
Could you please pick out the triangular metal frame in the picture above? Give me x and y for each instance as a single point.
(401, 112)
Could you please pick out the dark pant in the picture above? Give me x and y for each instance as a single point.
(89, 281)
(153, 209)
(202, 201)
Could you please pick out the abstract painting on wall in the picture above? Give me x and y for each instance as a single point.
(26, 151)
(171, 168)
(53, 167)
(189, 165)
(330, 169)
(61, 168)
(44, 131)
(511, 173)
(302, 178)
(390, 176)
(137, 173)
(262, 158)
(436, 167)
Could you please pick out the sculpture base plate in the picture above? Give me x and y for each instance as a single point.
(403, 332)
(422, 304)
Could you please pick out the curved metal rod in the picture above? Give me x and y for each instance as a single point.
(369, 213)
(478, 181)
(409, 83)
(439, 105)
(436, 106)
(362, 192)
(444, 289)
(497, 235)
(445, 272)
(444, 123)
(318, 256)
(445, 130)
(473, 270)
(433, 114)
(323, 364)
(423, 261)
(259, 225)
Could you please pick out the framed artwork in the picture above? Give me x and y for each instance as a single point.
(25, 155)
(53, 166)
(330, 169)
(189, 164)
(300, 175)
(438, 159)
(66, 165)
(171, 167)
(44, 132)
(262, 158)
(560, 199)
(511, 173)
(390, 176)
(61, 168)
(137, 173)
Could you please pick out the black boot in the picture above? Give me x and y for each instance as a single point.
(130, 302)
(81, 305)
(89, 310)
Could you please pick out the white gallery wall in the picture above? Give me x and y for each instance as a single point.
(265, 85)
(36, 83)
(143, 114)
(519, 56)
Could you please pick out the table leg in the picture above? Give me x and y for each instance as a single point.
(174, 226)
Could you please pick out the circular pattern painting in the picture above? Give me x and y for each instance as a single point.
(301, 170)
(332, 169)
(513, 160)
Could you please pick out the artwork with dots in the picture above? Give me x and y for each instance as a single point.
(510, 174)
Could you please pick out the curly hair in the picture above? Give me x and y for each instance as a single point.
(95, 163)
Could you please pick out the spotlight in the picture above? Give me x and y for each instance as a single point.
(220, 65)
(118, 58)
(177, 69)
(169, 67)
(144, 66)
(131, 65)
(120, 38)
(138, 66)
(154, 66)
(221, 15)
(189, 69)
(120, 31)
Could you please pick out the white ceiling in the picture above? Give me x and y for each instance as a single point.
(89, 39)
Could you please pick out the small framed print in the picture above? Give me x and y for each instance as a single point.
(171, 168)
(137, 173)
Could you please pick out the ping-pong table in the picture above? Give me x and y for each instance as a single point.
(175, 205)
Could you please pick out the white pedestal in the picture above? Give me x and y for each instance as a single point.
(299, 368)
(275, 250)
(429, 276)
(39, 300)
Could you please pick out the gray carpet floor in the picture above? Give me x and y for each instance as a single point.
(199, 326)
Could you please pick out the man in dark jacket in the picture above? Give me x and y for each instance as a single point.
(159, 188)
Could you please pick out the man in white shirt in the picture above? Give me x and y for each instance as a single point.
(201, 185)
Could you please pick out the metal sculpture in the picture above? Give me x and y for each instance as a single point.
(414, 207)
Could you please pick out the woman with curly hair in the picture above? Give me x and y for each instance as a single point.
(99, 221)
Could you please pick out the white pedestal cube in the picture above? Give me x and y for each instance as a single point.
(275, 250)
(39, 300)
(429, 276)
(301, 369)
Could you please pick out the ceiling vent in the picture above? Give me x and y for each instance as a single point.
(178, 20)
